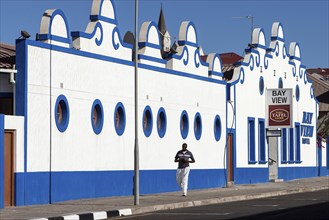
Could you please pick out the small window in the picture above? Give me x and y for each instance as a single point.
(297, 93)
(62, 113)
(97, 116)
(161, 122)
(119, 118)
(147, 121)
(217, 128)
(280, 83)
(261, 141)
(261, 85)
(184, 124)
(197, 126)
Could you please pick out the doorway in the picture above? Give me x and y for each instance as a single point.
(230, 160)
(9, 168)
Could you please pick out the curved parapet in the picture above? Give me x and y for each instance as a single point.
(102, 35)
(215, 65)
(54, 28)
(149, 44)
(188, 57)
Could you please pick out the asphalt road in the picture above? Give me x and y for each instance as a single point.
(311, 205)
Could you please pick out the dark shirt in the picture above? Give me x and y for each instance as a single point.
(184, 157)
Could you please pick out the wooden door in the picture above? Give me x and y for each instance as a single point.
(9, 169)
(230, 158)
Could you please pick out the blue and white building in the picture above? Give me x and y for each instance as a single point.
(72, 132)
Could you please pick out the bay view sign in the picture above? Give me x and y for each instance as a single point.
(279, 108)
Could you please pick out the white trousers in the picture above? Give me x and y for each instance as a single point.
(182, 178)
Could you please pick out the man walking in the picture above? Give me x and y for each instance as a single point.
(184, 158)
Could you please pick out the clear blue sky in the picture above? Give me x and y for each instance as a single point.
(305, 22)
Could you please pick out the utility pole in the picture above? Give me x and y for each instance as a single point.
(136, 148)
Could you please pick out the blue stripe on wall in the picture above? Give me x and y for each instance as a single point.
(251, 175)
(2, 163)
(290, 173)
(95, 184)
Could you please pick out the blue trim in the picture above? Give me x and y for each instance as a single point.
(284, 158)
(217, 128)
(98, 42)
(120, 127)
(124, 62)
(277, 38)
(162, 122)
(184, 124)
(2, 162)
(98, 125)
(291, 146)
(290, 173)
(251, 175)
(297, 134)
(148, 44)
(261, 141)
(147, 115)
(102, 18)
(197, 126)
(154, 59)
(96, 184)
(50, 36)
(220, 74)
(62, 101)
(251, 141)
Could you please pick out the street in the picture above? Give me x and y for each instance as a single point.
(310, 205)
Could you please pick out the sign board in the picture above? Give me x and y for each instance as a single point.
(273, 133)
(279, 108)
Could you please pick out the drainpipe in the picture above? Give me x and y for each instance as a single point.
(13, 82)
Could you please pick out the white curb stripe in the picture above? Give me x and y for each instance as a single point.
(100, 215)
(71, 217)
(124, 212)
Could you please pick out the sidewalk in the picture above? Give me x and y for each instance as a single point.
(115, 206)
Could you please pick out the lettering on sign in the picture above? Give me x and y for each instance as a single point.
(307, 129)
(279, 108)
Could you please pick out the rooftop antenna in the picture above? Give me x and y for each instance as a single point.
(251, 18)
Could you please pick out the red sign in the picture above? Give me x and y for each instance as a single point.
(279, 115)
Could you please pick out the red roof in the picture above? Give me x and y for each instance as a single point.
(7, 56)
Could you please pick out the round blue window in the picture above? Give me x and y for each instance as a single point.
(197, 126)
(147, 121)
(184, 125)
(62, 113)
(97, 116)
(261, 85)
(119, 118)
(297, 93)
(217, 128)
(161, 122)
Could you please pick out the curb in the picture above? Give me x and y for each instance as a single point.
(139, 210)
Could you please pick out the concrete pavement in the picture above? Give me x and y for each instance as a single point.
(103, 208)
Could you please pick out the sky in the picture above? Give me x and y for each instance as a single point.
(222, 26)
